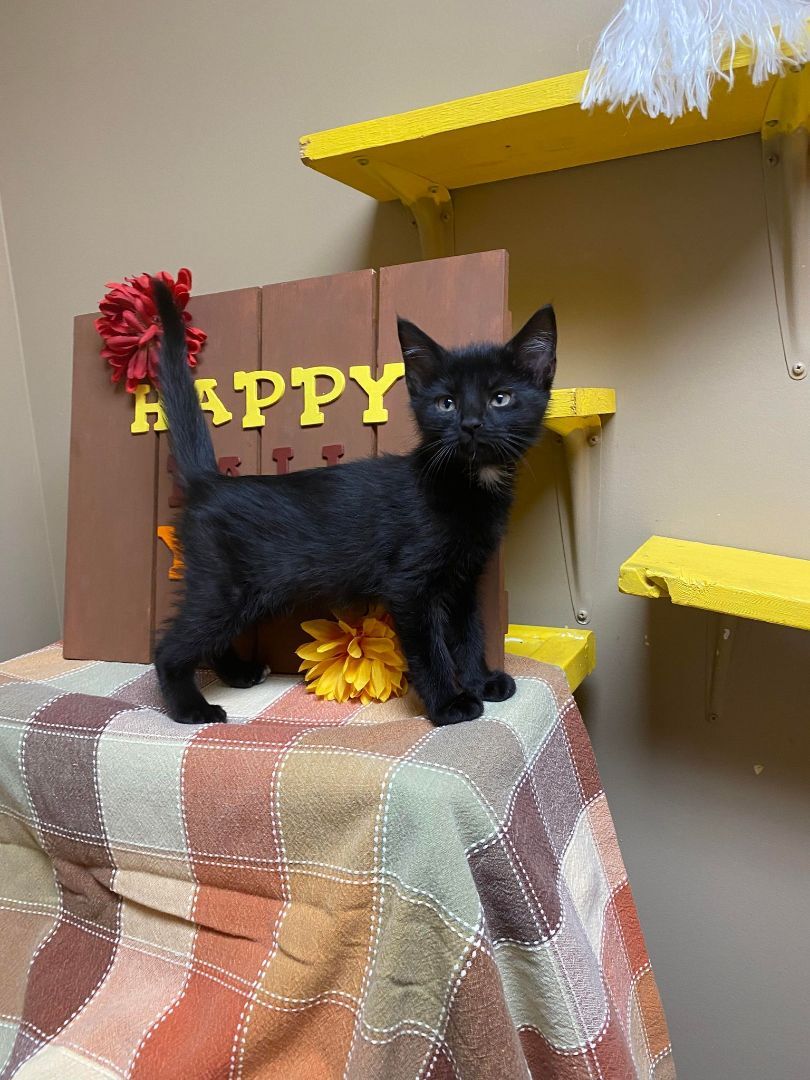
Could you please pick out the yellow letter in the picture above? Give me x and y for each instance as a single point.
(210, 402)
(142, 409)
(307, 377)
(249, 382)
(376, 388)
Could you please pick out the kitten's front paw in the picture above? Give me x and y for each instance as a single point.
(464, 706)
(498, 687)
(203, 714)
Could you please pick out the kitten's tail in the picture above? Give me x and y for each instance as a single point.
(188, 434)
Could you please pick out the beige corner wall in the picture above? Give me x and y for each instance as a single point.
(29, 613)
(138, 136)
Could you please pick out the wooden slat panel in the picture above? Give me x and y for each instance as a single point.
(328, 321)
(457, 301)
(111, 515)
(232, 322)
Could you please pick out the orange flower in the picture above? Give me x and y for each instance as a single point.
(357, 656)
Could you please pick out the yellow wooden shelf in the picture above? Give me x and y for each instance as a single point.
(771, 588)
(581, 401)
(572, 650)
(534, 128)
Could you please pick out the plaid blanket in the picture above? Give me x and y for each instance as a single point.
(313, 890)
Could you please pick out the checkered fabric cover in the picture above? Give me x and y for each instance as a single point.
(313, 890)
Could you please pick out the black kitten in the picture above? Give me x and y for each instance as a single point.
(413, 532)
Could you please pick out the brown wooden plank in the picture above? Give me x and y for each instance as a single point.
(232, 322)
(457, 301)
(111, 515)
(327, 321)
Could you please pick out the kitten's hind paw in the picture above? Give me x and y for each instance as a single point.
(498, 687)
(205, 713)
(464, 706)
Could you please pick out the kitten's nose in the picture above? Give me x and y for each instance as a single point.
(470, 425)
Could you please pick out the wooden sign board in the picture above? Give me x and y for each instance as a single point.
(288, 372)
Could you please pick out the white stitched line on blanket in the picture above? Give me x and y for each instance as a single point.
(179, 738)
(428, 766)
(536, 907)
(380, 821)
(408, 1025)
(165, 954)
(565, 899)
(612, 894)
(26, 907)
(529, 764)
(114, 938)
(411, 893)
(457, 976)
(240, 1037)
(659, 1057)
(59, 915)
(469, 943)
(582, 1048)
(634, 977)
(167, 1010)
(45, 1039)
(425, 766)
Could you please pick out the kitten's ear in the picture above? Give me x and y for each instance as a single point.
(421, 354)
(534, 348)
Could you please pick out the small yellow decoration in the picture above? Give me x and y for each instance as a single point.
(143, 409)
(249, 382)
(358, 656)
(168, 535)
(211, 402)
(376, 389)
(307, 379)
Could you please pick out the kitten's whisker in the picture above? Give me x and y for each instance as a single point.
(436, 461)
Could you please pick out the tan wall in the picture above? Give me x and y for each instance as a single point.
(29, 613)
(138, 136)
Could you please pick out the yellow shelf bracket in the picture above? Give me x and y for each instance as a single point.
(578, 486)
(430, 204)
(786, 166)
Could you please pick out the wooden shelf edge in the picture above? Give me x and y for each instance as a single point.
(573, 650)
(731, 581)
(531, 128)
(581, 401)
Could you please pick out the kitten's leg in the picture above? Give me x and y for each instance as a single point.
(466, 636)
(431, 668)
(234, 671)
(178, 654)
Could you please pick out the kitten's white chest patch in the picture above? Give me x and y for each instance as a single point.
(491, 476)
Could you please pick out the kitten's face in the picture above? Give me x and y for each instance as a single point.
(483, 405)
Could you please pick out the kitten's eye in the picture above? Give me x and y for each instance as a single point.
(445, 404)
(503, 397)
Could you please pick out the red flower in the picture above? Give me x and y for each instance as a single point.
(130, 327)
